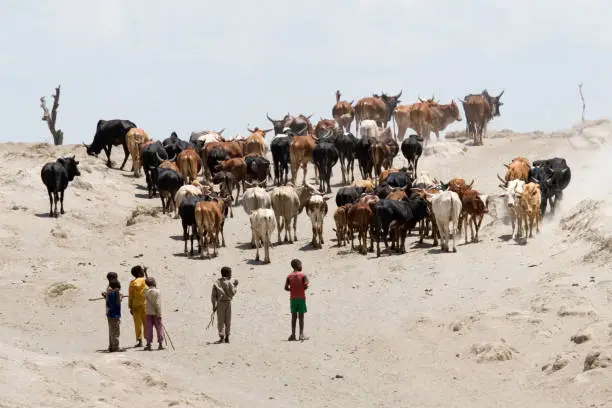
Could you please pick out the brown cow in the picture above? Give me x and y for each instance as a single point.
(234, 149)
(384, 149)
(343, 112)
(300, 153)
(359, 218)
(133, 138)
(255, 144)
(479, 109)
(428, 117)
(402, 116)
(366, 184)
(341, 230)
(375, 107)
(529, 201)
(189, 165)
(518, 169)
(167, 164)
(238, 168)
(209, 216)
(458, 185)
(473, 208)
(323, 126)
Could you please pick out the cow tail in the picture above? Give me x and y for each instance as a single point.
(58, 182)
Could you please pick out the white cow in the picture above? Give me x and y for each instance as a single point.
(316, 209)
(206, 136)
(253, 199)
(287, 203)
(263, 224)
(512, 188)
(193, 189)
(446, 208)
(425, 181)
(369, 128)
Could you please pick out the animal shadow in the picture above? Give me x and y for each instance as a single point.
(44, 215)
(308, 247)
(244, 246)
(254, 262)
(177, 237)
(142, 195)
(505, 237)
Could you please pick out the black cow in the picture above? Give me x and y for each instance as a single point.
(56, 176)
(363, 153)
(258, 168)
(325, 156)
(382, 190)
(412, 149)
(187, 213)
(404, 214)
(168, 183)
(399, 179)
(553, 176)
(151, 156)
(279, 147)
(346, 143)
(110, 133)
(348, 195)
(215, 156)
(174, 145)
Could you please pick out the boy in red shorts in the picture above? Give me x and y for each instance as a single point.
(296, 284)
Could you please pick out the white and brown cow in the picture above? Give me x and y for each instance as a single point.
(316, 209)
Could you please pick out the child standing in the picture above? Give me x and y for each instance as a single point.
(223, 292)
(137, 301)
(296, 284)
(153, 314)
(113, 314)
(111, 276)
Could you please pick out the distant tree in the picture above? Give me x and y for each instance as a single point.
(582, 99)
(58, 135)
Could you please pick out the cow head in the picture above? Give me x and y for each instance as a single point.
(391, 102)
(278, 125)
(511, 189)
(493, 101)
(70, 164)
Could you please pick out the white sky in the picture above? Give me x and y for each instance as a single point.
(192, 65)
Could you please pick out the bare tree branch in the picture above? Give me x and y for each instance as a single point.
(582, 99)
(58, 135)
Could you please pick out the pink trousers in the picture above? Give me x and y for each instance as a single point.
(156, 321)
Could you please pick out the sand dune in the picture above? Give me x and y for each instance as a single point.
(498, 323)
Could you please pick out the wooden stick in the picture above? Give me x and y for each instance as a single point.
(100, 298)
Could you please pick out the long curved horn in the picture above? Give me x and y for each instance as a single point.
(159, 158)
(251, 130)
(502, 180)
(173, 159)
(84, 144)
(221, 131)
(399, 94)
(269, 118)
(471, 184)
(502, 92)
(309, 116)
(507, 165)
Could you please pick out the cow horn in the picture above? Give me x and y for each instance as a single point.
(507, 165)
(85, 145)
(309, 116)
(399, 94)
(251, 130)
(502, 180)
(221, 131)
(269, 118)
(471, 184)
(159, 158)
(502, 92)
(420, 100)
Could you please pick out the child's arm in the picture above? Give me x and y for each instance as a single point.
(287, 286)
(306, 282)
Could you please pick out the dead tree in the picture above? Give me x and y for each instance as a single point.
(582, 99)
(58, 135)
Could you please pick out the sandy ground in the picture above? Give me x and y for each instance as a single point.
(488, 326)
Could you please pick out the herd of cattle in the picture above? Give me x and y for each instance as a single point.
(386, 203)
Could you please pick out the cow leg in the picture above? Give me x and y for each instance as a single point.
(305, 169)
(127, 154)
(61, 198)
(201, 238)
(295, 229)
(107, 150)
(320, 229)
(256, 239)
(267, 248)
(50, 203)
(343, 169)
(215, 245)
(314, 235)
(280, 228)
(185, 237)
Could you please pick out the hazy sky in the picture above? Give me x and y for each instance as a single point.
(194, 65)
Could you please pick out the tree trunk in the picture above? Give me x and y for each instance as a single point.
(58, 135)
